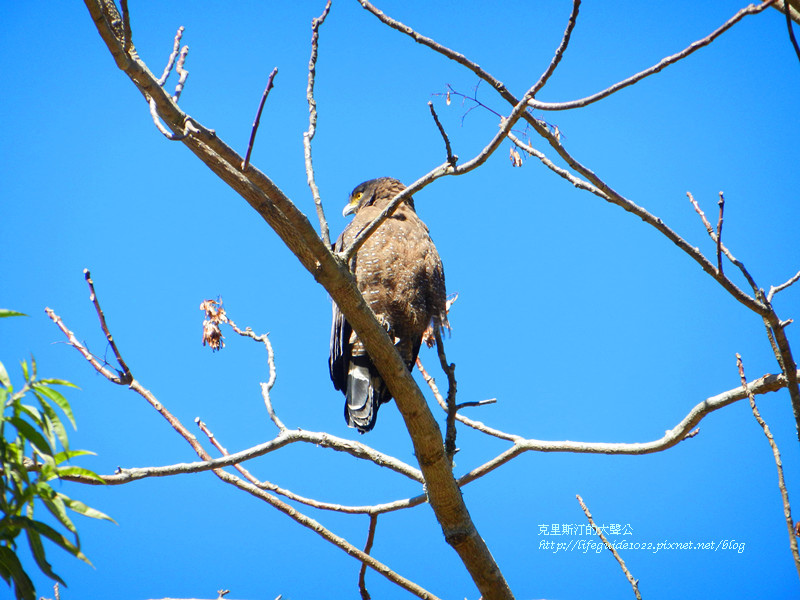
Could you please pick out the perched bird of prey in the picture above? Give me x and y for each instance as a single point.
(400, 275)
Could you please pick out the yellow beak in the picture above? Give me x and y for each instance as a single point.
(350, 208)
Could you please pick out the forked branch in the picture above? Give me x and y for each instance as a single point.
(249, 484)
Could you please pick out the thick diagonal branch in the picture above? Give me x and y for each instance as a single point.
(297, 233)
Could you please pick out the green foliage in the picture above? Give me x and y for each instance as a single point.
(30, 438)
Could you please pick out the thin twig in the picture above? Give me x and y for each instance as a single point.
(684, 430)
(271, 487)
(473, 98)
(605, 191)
(312, 125)
(445, 169)
(700, 212)
(176, 44)
(126, 26)
(324, 440)
(182, 73)
(561, 48)
(266, 387)
(787, 11)
(125, 376)
(662, 64)
(601, 187)
(450, 371)
(477, 425)
(721, 204)
(174, 137)
(257, 120)
(506, 95)
(787, 508)
(294, 229)
(478, 403)
(506, 124)
(222, 450)
(634, 582)
(249, 487)
(720, 246)
(775, 289)
(450, 158)
(362, 576)
(579, 183)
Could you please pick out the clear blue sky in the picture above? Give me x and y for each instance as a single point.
(583, 322)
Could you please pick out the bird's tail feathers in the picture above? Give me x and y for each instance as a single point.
(365, 393)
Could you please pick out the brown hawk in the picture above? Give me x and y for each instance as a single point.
(400, 275)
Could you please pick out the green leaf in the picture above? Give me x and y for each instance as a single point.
(25, 370)
(78, 471)
(4, 378)
(56, 397)
(33, 413)
(56, 506)
(37, 549)
(66, 455)
(51, 381)
(12, 569)
(54, 424)
(4, 312)
(27, 431)
(5, 571)
(55, 537)
(87, 511)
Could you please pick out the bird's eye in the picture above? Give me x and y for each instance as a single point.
(357, 196)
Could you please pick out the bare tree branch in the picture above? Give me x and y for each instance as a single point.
(634, 582)
(614, 197)
(328, 535)
(573, 18)
(362, 576)
(312, 124)
(662, 64)
(477, 425)
(599, 187)
(682, 431)
(176, 46)
(332, 273)
(125, 374)
(787, 508)
(721, 204)
(790, 7)
(506, 95)
(450, 371)
(267, 386)
(787, 11)
(246, 486)
(451, 159)
(257, 120)
(720, 246)
(126, 28)
(182, 73)
(774, 290)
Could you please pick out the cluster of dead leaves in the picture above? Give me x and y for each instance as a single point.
(215, 314)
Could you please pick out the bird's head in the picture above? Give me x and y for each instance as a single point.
(369, 192)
